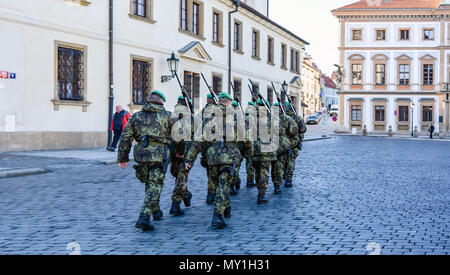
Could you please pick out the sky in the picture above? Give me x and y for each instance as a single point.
(312, 20)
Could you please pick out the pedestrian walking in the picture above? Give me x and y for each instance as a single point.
(118, 123)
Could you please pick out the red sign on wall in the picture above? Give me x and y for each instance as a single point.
(4, 74)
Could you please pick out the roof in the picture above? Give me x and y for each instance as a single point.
(328, 82)
(262, 16)
(391, 5)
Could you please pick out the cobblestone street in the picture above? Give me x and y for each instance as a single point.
(349, 192)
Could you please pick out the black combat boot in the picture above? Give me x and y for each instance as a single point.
(187, 201)
(288, 184)
(238, 184)
(277, 190)
(262, 199)
(227, 213)
(158, 215)
(175, 210)
(218, 221)
(233, 190)
(144, 222)
(210, 198)
(251, 184)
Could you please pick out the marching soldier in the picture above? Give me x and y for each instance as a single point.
(207, 112)
(180, 118)
(293, 154)
(288, 133)
(222, 154)
(151, 128)
(236, 184)
(262, 159)
(251, 110)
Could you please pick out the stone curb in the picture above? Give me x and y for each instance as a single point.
(21, 172)
(315, 139)
(395, 137)
(112, 162)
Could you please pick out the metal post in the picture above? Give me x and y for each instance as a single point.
(412, 121)
(111, 69)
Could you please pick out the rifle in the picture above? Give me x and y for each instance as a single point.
(257, 94)
(289, 100)
(237, 98)
(278, 99)
(185, 95)
(216, 99)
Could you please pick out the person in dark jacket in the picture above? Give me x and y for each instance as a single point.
(431, 130)
(119, 122)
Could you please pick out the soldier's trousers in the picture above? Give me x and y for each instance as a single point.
(155, 178)
(290, 165)
(278, 168)
(250, 170)
(220, 177)
(236, 176)
(261, 169)
(180, 173)
(211, 186)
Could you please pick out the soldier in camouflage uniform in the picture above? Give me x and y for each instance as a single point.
(180, 118)
(151, 128)
(207, 112)
(293, 154)
(222, 154)
(251, 109)
(236, 183)
(288, 139)
(261, 160)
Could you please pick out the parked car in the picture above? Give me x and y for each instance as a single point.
(313, 119)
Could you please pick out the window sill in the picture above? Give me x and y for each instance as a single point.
(356, 87)
(380, 87)
(428, 87)
(238, 52)
(57, 103)
(403, 87)
(256, 58)
(141, 18)
(218, 44)
(134, 107)
(81, 2)
(196, 36)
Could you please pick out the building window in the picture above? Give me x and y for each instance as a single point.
(297, 61)
(70, 74)
(255, 43)
(428, 34)
(404, 34)
(380, 74)
(270, 95)
(403, 113)
(292, 60)
(217, 27)
(283, 56)
(380, 35)
(356, 112)
(196, 18)
(356, 74)
(427, 113)
(192, 85)
(141, 81)
(237, 36)
(270, 52)
(356, 35)
(404, 74)
(379, 113)
(428, 74)
(217, 83)
(237, 88)
(184, 15)
(139, 7)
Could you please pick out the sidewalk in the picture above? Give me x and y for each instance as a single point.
(405, 137)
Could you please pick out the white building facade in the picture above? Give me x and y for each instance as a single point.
(329, 92)
(55, 55)
(395, 62)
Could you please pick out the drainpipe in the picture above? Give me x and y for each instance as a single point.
(111, 69)
(236, 4)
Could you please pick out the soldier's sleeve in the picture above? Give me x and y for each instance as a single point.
(193, 152)
(126, 141)
(292, 131)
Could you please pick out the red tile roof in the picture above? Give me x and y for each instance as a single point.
(392, 4)
(329, 82)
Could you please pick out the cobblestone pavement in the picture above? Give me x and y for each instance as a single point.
(349, 193)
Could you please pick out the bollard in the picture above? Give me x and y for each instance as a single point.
(390, 132)
(416, 132)
(365, 133)
(324, 132)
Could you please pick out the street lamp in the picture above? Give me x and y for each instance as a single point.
(173, 63)
(412, 118)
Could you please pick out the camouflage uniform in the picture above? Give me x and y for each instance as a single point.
(177, 168)
(288, 139)
(248, 161)
(221, 157)
(261, 160)
(207, 112)
(293, 154)
(151, 128)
